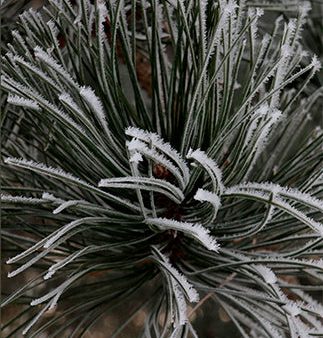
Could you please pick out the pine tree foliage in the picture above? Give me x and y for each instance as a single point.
(209, 184)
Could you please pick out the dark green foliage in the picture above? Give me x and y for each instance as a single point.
(157, 153)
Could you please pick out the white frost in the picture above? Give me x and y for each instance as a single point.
(267, 274)
(207, 196)
(96, 105)
(165, 148)
(195, 230)
(20, 199)
(209, 165)
(23, 102)
(188, 288)
(52, 63)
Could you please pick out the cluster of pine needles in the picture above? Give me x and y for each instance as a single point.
(163, 154)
